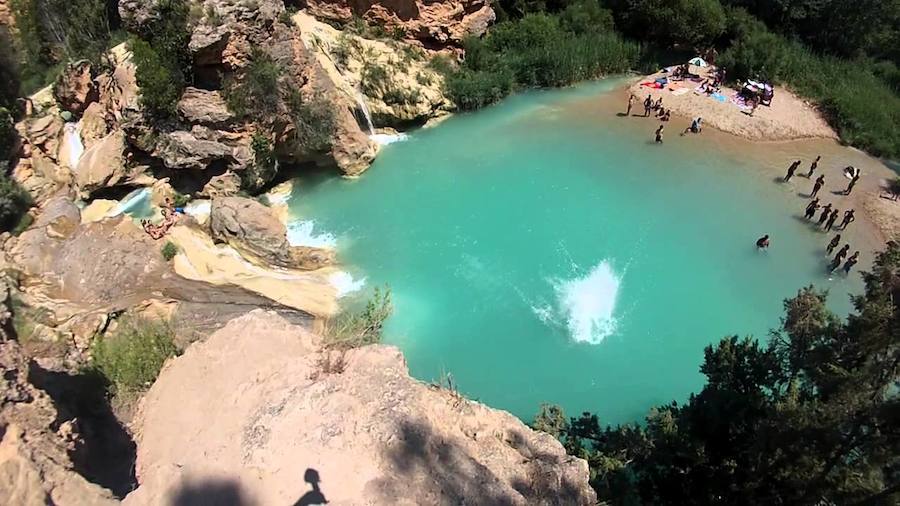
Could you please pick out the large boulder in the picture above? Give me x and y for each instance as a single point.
(204, 107)
(195, 149)
(261, 414)
(75, 88)
(103, 166)
(253, 230)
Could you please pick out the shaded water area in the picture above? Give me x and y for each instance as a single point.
(546, 250)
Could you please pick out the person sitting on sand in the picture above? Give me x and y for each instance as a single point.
(851, 262)
(813, 166)
(831, 219)
(820, 182)
(791, 170)
(659, 134)
(826, 212)
(763, 242)
(833, 244)
(848, 218)
(648, 104)
(811, 209)
(668, 115)
(696, 126)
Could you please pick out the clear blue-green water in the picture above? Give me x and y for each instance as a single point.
(543, 250)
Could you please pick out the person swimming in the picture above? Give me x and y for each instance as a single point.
(763, 242)
(833, 244)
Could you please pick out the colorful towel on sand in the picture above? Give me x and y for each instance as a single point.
(718, 97)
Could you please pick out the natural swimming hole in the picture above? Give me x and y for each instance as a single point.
(545, 250)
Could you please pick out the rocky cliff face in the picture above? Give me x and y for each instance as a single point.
(260, 413)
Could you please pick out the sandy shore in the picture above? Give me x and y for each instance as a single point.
(789, 117)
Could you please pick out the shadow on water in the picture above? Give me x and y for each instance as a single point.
(106, 456)
(211, 492)
(429, 467)
(314, 496)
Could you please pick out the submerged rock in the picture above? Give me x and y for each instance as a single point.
(345, 427)
(256, 232)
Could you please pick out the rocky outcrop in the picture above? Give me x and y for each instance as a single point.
(252, 229)
(75, 88)
(35, 441)
(259, 408)
(435, 24)
(204, 107)
(196, 149)
(104, 165)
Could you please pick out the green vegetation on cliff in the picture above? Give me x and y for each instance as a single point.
(810, 418)
(354, 329)
(161, 57)
(132, 357)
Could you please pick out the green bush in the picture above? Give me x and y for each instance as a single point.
(586, 16)
(132, 357)
(255, 94)
(263, 169)
(474, 89)
(313, 121)
(8, 134)
(160, 83)
(696, 23)
(374, 78)
(351, 330)
(14, 200)
(169, 250)
(162, 58)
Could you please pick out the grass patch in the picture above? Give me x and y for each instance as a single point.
(355, 329)
(169, 250)
(130, 359)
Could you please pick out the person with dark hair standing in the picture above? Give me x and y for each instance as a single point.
(791, 170)
(630, 104)
(848, 218)
(648, 104)
(811, 209)
(851, 262)
(852, 184)
(824, 216)
(763, 242)
(839, 258)
(659, 133)
(833, 244)
(831, 220)
(813, 166)
(820, 182)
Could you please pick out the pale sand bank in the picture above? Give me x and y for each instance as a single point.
(789, 116)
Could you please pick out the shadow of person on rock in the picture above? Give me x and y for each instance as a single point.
(314, 496)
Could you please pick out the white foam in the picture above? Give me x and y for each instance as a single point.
(302, 233)
(72, 134)
(139, 197)
(345, 284)
(385, 139)
(588, 303)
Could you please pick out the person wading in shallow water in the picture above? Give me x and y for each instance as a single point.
(831, 220)
(833, 244)
(839, 258)
(820, 182)
(851, 262)
(763, 242)
(811, 209)
(630, 104)
(826, 211)
(791, 170)
(813, 166)
(848, 218)
(648, 104)
(659, 133)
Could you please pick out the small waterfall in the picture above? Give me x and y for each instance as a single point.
(72, 134)
(136, 203)
(361, 102)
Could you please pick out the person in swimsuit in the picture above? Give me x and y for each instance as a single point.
(820, 182)
(811, 209)
(813, 166)
(763, 242)
(851, 262)
(848, 218)
(648, 104)
(833, 244)
(839, 258)
(831, 220)
(826, 211)
(791, 170)
(659, 134)
(852, 184)
(630, 104)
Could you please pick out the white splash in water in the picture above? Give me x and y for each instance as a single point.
(344, 283)
(302, 233)
(587, 304)
(385, 139)
(199, 209)
(72, 134)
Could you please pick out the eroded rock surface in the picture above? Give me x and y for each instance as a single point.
(260, 412)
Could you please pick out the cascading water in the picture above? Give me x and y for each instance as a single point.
(361, 101)
(72, 139)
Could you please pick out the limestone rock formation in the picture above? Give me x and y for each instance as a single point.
(261, 414)
(195, 149)
(252, 229)
(35, 441)
(204, 107)
(103, 166)
(435, 24)
(75, 89)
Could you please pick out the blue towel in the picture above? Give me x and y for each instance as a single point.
(719, 97)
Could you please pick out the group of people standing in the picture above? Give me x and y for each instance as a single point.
(827, 217)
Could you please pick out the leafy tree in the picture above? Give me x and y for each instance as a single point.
(161, 85)
(810, 418)
(255, 94)
(161, 57)
(14, 200)
(696, 23)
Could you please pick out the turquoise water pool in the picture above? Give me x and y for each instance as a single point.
(545, 250)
